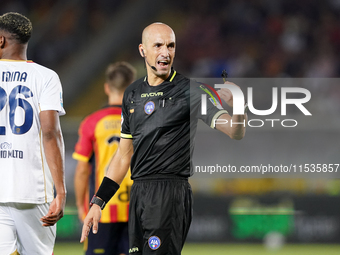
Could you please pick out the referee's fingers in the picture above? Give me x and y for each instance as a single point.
(95, 225)
(86, 230)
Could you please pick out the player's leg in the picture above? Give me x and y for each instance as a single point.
(136, 241)
(33, 238)
(184, 212)
(165, 211)
(123, 239)
(174, 213)
(107, 240)
(99, 243)
(8, 237)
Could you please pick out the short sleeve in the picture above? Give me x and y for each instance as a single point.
(51, 97)
(84, 146)
(125, 125)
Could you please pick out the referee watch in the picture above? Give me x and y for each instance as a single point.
(96, 200)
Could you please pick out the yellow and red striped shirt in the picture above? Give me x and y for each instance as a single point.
(99, 136)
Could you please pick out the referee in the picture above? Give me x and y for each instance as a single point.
(159, 120)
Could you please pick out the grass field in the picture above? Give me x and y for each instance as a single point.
(226, 249)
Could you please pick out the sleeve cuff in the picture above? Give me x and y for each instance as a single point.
(127, 136)
(216, 116)
(79, 157)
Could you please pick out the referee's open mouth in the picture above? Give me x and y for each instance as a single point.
(163, 64)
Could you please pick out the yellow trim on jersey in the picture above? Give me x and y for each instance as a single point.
(107, 132)
(173, 76)
(77, 156)
(216, 116)
(15, 253)
(13, 60)
(125, 136)
(42, 160)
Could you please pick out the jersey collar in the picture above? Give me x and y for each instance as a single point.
(14, 60)
(170, 78)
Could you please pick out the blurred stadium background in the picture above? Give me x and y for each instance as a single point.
(249, 38)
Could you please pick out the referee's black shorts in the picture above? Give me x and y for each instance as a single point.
(160, 215)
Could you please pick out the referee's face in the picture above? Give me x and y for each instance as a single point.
(160, 49)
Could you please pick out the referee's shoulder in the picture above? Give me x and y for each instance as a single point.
(181, 79)
(133, 86)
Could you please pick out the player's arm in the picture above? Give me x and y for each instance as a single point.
(81, 179)
(116, 172)
(54, 152)
(235, 126)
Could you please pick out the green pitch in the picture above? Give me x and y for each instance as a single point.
(226, 249)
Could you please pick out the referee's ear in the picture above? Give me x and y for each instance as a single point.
(141, 50)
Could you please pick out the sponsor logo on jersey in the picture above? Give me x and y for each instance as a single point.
(216, 103)
(154, 242)
(133, 250)
(149, 107)
(11, 154)
(152, 94)
(121, 119)
(5, 146)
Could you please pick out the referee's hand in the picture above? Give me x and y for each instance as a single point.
(91, 220)
(226, 94)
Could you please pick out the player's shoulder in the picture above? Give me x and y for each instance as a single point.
(180, 78)
(97, 115)
(43, 70)
(134, 85)
(43, 73)
(199, 86)
(130, 90)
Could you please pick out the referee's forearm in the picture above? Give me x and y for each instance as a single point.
(120, 163)
(117, 170)
(238, 126)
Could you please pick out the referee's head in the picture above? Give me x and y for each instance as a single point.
(158, 49)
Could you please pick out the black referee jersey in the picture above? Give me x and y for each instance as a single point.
(162, 122)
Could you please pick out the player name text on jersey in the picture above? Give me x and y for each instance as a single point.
(14, 76)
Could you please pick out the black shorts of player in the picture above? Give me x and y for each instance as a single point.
(111, 238)
(160, 215)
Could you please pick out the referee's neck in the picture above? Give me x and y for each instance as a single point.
(155, 80)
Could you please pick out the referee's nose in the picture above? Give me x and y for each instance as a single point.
(165, 53)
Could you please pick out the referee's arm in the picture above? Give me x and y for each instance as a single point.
(117, 170)
(121, 161)
(235, 126)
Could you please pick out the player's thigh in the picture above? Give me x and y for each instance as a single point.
(8, 236)
(167, 218)
(162, 225)
(123, 236)
(33, 238)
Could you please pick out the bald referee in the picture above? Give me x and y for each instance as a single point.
(159, 119)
